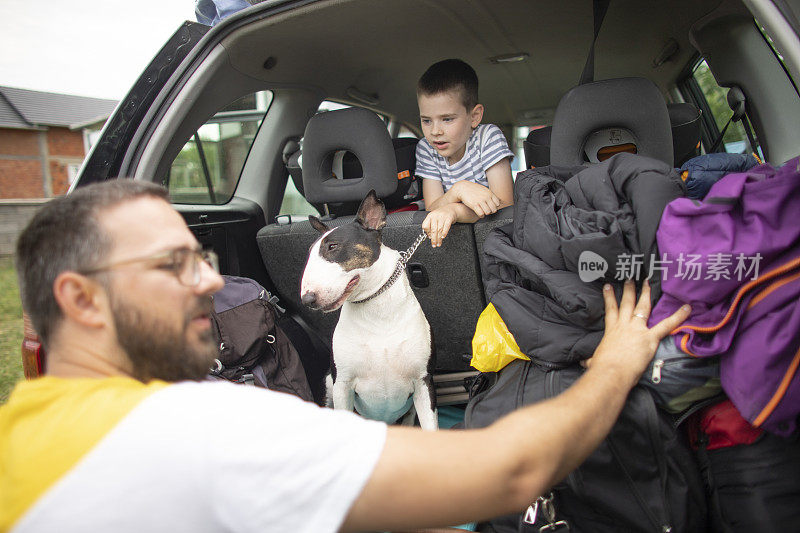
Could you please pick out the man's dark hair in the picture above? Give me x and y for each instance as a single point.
(449, 75)
(65, 235)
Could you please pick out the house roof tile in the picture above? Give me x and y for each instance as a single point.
(23, 108)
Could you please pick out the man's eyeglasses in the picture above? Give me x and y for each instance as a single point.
(183, 262)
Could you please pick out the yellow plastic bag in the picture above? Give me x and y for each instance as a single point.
(493, 346)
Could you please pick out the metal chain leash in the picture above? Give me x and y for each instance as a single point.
(398, 270)
(405, 256)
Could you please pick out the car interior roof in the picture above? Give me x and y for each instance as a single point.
(379, 49)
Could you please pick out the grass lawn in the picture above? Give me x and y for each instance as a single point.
(10, 329)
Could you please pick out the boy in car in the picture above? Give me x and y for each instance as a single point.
(465, 165)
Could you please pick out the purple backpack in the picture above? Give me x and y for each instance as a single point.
(735, 258)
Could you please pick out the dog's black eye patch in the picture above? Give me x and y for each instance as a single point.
(351, 246)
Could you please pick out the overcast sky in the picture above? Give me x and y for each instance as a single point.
(84, 47)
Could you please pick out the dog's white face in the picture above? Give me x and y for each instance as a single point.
(337, 260)
(333, 270)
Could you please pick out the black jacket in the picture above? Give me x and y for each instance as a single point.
(531, 265)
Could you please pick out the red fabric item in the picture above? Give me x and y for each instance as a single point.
(723, 425)
(409, 207)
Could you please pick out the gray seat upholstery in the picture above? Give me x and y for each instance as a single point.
(621, 110)
(684, 123)
(345, 165)
(359, 132)
(453, 297)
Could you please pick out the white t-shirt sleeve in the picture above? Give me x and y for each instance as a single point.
(281, 464)
(426, 164)
(494, 146)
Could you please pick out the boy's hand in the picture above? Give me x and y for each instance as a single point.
(477, 197)
(628, 345)
(437, 224)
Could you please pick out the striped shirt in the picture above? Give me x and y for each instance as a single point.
(486, 146)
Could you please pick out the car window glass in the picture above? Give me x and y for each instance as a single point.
(208, 166)
(406, 132)
(735, 139)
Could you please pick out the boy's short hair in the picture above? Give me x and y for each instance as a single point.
(449, 75)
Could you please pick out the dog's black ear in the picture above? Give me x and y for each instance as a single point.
(371, 212)
(317, 224)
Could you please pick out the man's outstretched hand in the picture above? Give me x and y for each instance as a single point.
(628, 344)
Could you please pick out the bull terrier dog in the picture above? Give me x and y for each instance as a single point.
(382, 342)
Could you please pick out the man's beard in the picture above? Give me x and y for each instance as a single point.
(158, 352)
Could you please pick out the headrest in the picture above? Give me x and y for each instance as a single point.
(611, 114)
(408, 188)
(685, 121)
(537, 147)
(354, 130)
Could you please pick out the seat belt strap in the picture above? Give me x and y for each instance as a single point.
(748, 130)
(718, 140)
(599, 9)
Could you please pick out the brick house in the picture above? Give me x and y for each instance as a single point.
(44, 138)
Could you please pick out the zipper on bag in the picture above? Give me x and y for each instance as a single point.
(656, 375)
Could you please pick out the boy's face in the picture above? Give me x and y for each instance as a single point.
(447, 124)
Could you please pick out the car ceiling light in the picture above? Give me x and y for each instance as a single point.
(509, 58)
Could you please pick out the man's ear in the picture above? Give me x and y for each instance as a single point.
(476, 115)
(317, 224)
(81, 299)
(371, 212)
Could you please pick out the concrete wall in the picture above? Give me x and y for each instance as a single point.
(14, 215)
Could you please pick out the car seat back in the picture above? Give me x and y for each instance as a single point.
(684, 121)
(595, 120)
(684, 125)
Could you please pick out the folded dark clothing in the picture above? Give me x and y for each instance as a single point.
(531, 267)
(703, 171)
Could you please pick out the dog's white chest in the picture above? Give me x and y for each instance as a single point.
(383, 362)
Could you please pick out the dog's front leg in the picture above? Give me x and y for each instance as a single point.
(343, 393)
(423, 403)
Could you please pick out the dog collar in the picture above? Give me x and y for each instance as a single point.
(401, 265)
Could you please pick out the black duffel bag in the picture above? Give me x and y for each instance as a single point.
(642, 477)
(753, 487)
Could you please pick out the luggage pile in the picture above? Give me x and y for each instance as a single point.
(708, 441)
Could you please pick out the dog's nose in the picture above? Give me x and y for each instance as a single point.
(309, 298)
